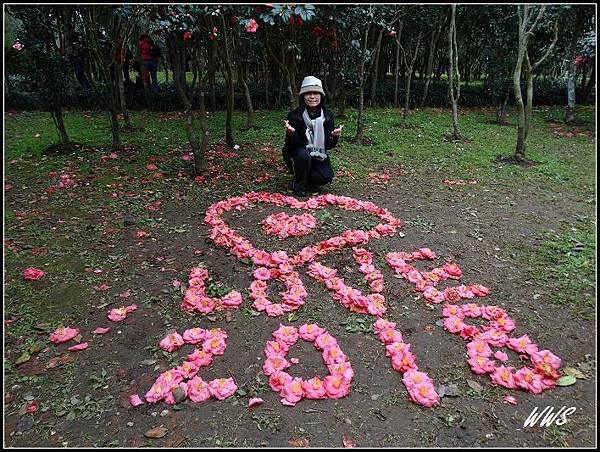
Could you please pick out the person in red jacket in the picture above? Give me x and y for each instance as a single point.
(149, 59)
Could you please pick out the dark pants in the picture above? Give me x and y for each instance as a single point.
(80, 74)
(307, 170)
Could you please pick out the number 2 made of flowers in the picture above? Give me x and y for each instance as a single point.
(182, 382)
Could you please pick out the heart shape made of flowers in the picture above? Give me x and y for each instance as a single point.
(222, 234)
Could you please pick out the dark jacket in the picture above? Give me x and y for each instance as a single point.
(298, 138)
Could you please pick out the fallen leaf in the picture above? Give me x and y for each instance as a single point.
(23, 358)
(301, 442)
(566, 380)
(574, 373)
(157, 432)
(59, 360)
(474, 385)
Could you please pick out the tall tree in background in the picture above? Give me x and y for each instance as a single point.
(526, 13)
(578, 17)
(45, 64)
(453, 81)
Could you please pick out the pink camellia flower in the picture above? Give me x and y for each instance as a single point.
(333, 355)
(427, 253)
(33, 274)
(471, 310)
(214, 346)
(464, 292)
(188, 369)
(156, 393)
(222, 388)
(275, 310)
(62, 334)
(262, 274)
(252, 26)
(383, 324)
(495, 338)
(314, 388)
(287, 334)
(452, 295)
(135, 400)
(396, 348)
(76, 348)
(478, 348)
(276, 348)
(274, 364)
(118, 314)
(172, 342)
(424, 394)
(151, 167)
(194, 335)
(504, 323)
(170, 378)
(278, 380)
(481, 364)
(255, 401)
(479, 290)
(292, 392)
(343, 370)
(452, 310)
(390, 336)
(529, 380)
(376, 304)
(200, 358)
(101, 330)
(336, 387)
(453, 270)
(232, 299)
(310, 332)
(198, 390)
(198, 272)
(325, 340)
(454, 324)
(522, 344)
(547, 358)
(503, 376)
(501, 356)
(404, 362)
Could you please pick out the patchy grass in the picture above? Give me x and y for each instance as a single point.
(565, 263)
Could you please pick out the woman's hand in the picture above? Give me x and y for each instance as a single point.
(288, 128)
(337, 132)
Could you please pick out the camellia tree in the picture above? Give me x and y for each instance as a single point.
(281, 40)
(37, 57)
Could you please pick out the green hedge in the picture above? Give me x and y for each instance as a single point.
(546, 92)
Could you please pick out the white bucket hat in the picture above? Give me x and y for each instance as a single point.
(311, 83)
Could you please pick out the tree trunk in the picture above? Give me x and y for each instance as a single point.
(453, 55)
(123, 100)
(249, 106)
(590, 83)
(572, 68)
(57, 116)
(398, 34)
(361, 94)
(376, 69)
(432, 48)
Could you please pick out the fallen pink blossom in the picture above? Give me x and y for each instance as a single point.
(78, 347)
(255, 401)
(63, 334)
(101, 330)
(135, 400)
(510, 399)
(33, 274)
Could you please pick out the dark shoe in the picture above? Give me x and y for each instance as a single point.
(300, 193)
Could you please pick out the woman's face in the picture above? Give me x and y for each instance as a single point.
(312, 99)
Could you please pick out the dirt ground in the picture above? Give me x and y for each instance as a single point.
(486, 229)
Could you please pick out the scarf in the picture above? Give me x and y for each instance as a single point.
(315, 134)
